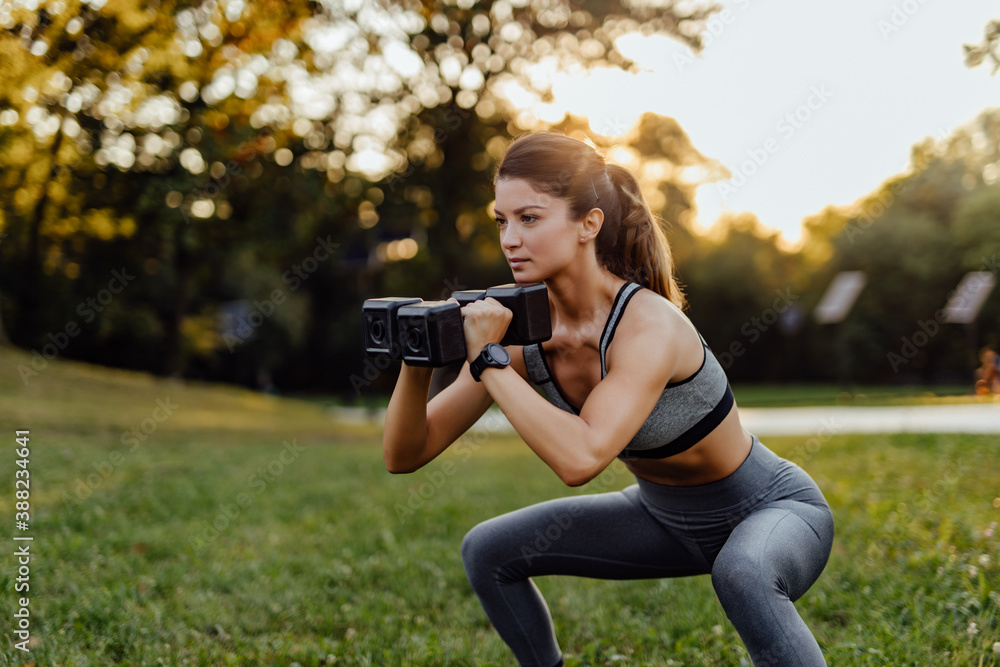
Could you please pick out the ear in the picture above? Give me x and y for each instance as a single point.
(591, 224)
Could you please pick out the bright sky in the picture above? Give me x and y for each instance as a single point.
(806, 103)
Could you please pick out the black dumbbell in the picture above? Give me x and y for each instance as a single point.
(429, 333)
(422, 333)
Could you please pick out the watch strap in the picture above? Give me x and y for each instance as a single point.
(482, 362)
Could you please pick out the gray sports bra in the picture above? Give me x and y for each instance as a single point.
(687, 411)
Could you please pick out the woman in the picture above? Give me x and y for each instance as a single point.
(627, 376)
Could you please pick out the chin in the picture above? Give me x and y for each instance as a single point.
(523, 276)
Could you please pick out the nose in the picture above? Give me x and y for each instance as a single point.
(509, 237)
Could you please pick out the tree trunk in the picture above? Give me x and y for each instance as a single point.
(172, 325)
(4, 340)
(30, 298)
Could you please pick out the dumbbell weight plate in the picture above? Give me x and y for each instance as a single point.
(380, 330)
(432, 333)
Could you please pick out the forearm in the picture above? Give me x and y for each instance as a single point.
(564, 441)
(405, 435)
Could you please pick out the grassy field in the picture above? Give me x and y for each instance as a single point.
(182, 524)
(780, 395)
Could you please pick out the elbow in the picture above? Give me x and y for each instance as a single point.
(396, 464)
(583, 466)
(576, 480)
(579, 475)
(398, 467)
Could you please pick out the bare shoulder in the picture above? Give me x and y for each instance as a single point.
(649, 314)
(655, 332)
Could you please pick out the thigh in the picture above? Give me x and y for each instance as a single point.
(605, 536)
(784, 544)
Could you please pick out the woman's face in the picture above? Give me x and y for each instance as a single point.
(537, 235)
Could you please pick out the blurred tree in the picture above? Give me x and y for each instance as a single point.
(976, 228)
(105, 106)
(914, 237)
(988, 49)
(4, 339)
(743, 290)
(208, 144)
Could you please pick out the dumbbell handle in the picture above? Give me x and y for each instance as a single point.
(528, 302)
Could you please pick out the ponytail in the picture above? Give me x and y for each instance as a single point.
(631, 243)
(634, 246)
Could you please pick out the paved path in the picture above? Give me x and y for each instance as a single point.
(971, 418)
(981, 418)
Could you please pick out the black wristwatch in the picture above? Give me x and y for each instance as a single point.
(494, 355)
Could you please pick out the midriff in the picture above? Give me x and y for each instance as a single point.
(715, 457)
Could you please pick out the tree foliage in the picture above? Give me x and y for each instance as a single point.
(228, 154)
(915, 237)
(210, 188)
(987, 50)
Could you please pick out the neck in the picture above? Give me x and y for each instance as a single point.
(581, 292)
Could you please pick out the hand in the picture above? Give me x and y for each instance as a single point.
(484, 321)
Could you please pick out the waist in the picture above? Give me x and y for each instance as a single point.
(751, 479)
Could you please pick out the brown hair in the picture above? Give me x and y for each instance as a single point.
(631, 243)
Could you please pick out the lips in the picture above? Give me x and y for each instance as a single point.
(516, 262)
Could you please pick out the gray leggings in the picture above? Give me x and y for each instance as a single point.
(764, 534)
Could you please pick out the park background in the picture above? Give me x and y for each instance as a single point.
(198, 196)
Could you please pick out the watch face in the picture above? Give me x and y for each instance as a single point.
(499, 353)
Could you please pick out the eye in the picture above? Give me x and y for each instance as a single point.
(528, 218)
(501, 222)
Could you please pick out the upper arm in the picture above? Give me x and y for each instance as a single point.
(638, 369)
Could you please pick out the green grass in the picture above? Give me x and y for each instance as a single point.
(201, 545)
(782, 395)
(801, 395)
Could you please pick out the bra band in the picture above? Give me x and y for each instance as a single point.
(690, 437)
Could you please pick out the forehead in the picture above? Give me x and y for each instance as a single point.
(516, 194)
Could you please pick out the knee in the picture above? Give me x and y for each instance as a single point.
(738, 576)
(476, 550)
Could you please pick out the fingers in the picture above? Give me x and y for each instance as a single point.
(484, 321)
(489, 303)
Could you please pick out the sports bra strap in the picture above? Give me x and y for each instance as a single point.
(625, 294)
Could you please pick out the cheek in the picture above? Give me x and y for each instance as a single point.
(558, 236)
